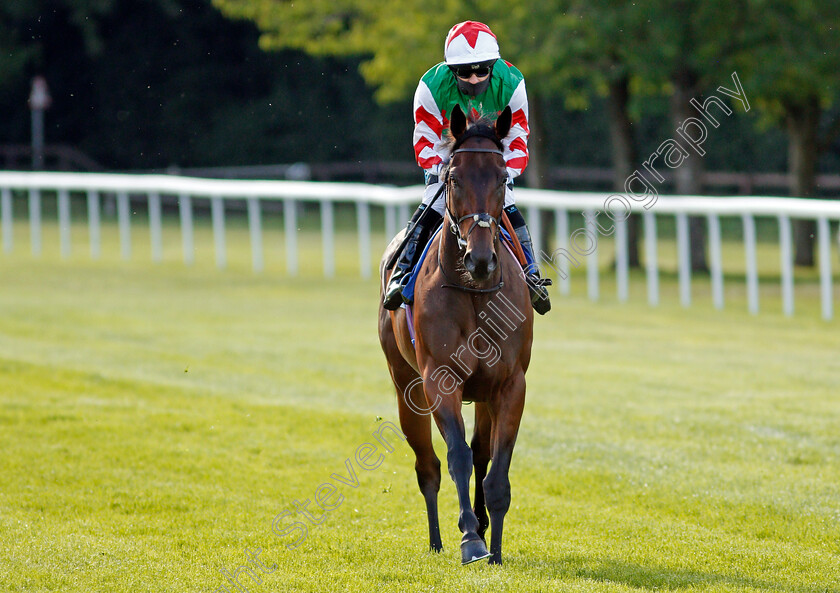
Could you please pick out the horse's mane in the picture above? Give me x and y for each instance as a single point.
(483, 127)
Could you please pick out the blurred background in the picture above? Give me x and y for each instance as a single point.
(247, 88)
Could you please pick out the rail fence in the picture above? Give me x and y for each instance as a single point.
(396, 202)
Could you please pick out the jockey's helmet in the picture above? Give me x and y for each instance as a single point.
(471, 49)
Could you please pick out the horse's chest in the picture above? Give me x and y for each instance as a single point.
(477, 363)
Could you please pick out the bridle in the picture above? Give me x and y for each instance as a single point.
(480, 219)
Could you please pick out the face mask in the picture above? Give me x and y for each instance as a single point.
(473, 90)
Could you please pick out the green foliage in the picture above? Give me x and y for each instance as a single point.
(574, 47)
(398, 40)
(152, 84)
(793, 54)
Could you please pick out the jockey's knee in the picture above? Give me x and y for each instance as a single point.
(429, 194)
(509, 199)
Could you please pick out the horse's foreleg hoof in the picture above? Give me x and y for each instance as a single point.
(436, 548)
(472, 551)
(495, 559)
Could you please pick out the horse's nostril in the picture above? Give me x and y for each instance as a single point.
(469, 263)
(491, 267)
(480, 265)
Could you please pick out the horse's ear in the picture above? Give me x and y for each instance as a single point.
(458, 122)
(503, 123)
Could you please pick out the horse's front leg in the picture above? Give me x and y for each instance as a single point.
(481, 451)
(447, 414)
(506, 409)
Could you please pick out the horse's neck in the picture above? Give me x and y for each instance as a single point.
(450, 253)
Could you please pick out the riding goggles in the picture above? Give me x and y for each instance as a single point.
(464, 71)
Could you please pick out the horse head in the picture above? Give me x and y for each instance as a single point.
(476, 182)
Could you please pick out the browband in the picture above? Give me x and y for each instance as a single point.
(488, 150)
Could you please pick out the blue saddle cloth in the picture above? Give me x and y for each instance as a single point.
(408, 289)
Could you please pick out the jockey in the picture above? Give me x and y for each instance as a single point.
(475, 77)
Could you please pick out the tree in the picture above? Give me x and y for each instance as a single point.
(793, 70)
(688, 49)
(598, 57)
(400, 40)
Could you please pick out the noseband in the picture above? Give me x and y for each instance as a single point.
(481, 219)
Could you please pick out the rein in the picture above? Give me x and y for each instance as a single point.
(480, 219)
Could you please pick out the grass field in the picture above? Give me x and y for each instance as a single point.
(155, 419)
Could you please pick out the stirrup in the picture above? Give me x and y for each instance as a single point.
(393, 291)
(539, 295)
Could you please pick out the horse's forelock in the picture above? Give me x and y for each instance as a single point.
(482, 128)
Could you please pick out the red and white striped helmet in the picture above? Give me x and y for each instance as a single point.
(470, 42)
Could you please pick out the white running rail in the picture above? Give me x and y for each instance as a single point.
(34, 186)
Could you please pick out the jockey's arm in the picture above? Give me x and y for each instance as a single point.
(516, 143)
(429, 145)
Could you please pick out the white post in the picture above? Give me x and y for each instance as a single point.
(255, 227)
(786, 255)
(752, 266)
(684, 258)
(155, 227)
(6, 214)
(64, 222)
(716, 260)
(561, 227)
(123, 214)
(363, 223)
(390, 223)
(328, 238)
(622, 263)
(94, 224)
(826, 289)
(35, 220)
(651, 263)
(290, 222)
(217, 214)
(187, 242)
(535, 224)
(592, 258)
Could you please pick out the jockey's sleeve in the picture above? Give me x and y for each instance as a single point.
(429, 146)
(516, 143)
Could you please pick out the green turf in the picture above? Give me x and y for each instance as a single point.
(154, 419)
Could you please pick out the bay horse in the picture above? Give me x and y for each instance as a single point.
(473, 324)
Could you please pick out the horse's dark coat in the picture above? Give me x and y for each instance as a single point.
(455, 331)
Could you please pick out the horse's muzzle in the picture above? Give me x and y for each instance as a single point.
(480, 263)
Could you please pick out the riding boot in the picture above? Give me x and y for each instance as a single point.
(536, 284)
(419, 231)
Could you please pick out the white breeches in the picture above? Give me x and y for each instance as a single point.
(440, 205)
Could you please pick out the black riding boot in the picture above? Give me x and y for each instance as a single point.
(536, 285)
(420, 229)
